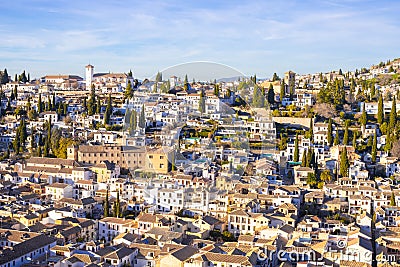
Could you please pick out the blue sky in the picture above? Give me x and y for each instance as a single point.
(61, 37)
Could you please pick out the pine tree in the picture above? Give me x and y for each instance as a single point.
(128, 91)
(329, 133)
(380, 115)
(296, 149)
(106, 206)
(346, 133)
(374, 148)
(107, 114)
(337, 138)
(344, 163)
(142, 118)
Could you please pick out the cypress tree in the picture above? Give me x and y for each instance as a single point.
(344, 163)
(40, 105)
(91, 105)
(392, 118)
(296, 149)
(142, 118)
(117, 207)
(337, 139)
(392, 200)
(304, 159)
(202, 102)
(310, 156)
(108, 112)
(271, 94)
(282, 92)
(354, 139)
(106, 206)
(329, 133)
(374, 148)
(346, 134)
(98, 106)
(133, 121)
(186, 84)
(364, 117)
(216, 89)
(380, 115)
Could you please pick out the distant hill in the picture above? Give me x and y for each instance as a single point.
(230, 79)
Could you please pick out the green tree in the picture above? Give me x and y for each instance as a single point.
(329, 133)
(186, 84)
(344, 163)
(355, 139)
(275, 77)
(282, 92)
(326, 176)
(109, 110)
(16, 143)
(271, 94)
(337, 138)
(364, 117)
(304, 159)
(128, 94)
(40, 104)
(392, 118)
(296, 149)
(392, 200)
(98, 106)
(346, 133)
(374, 148)
(258, 97)
(202, 102)
(142, 118)
(216, 89)
(117, 207)
(91, 105)
(312, 180)
(4, 77)
(159, 77)
(106, 206)
(380, 115)
(133, 121)
(311, 130)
